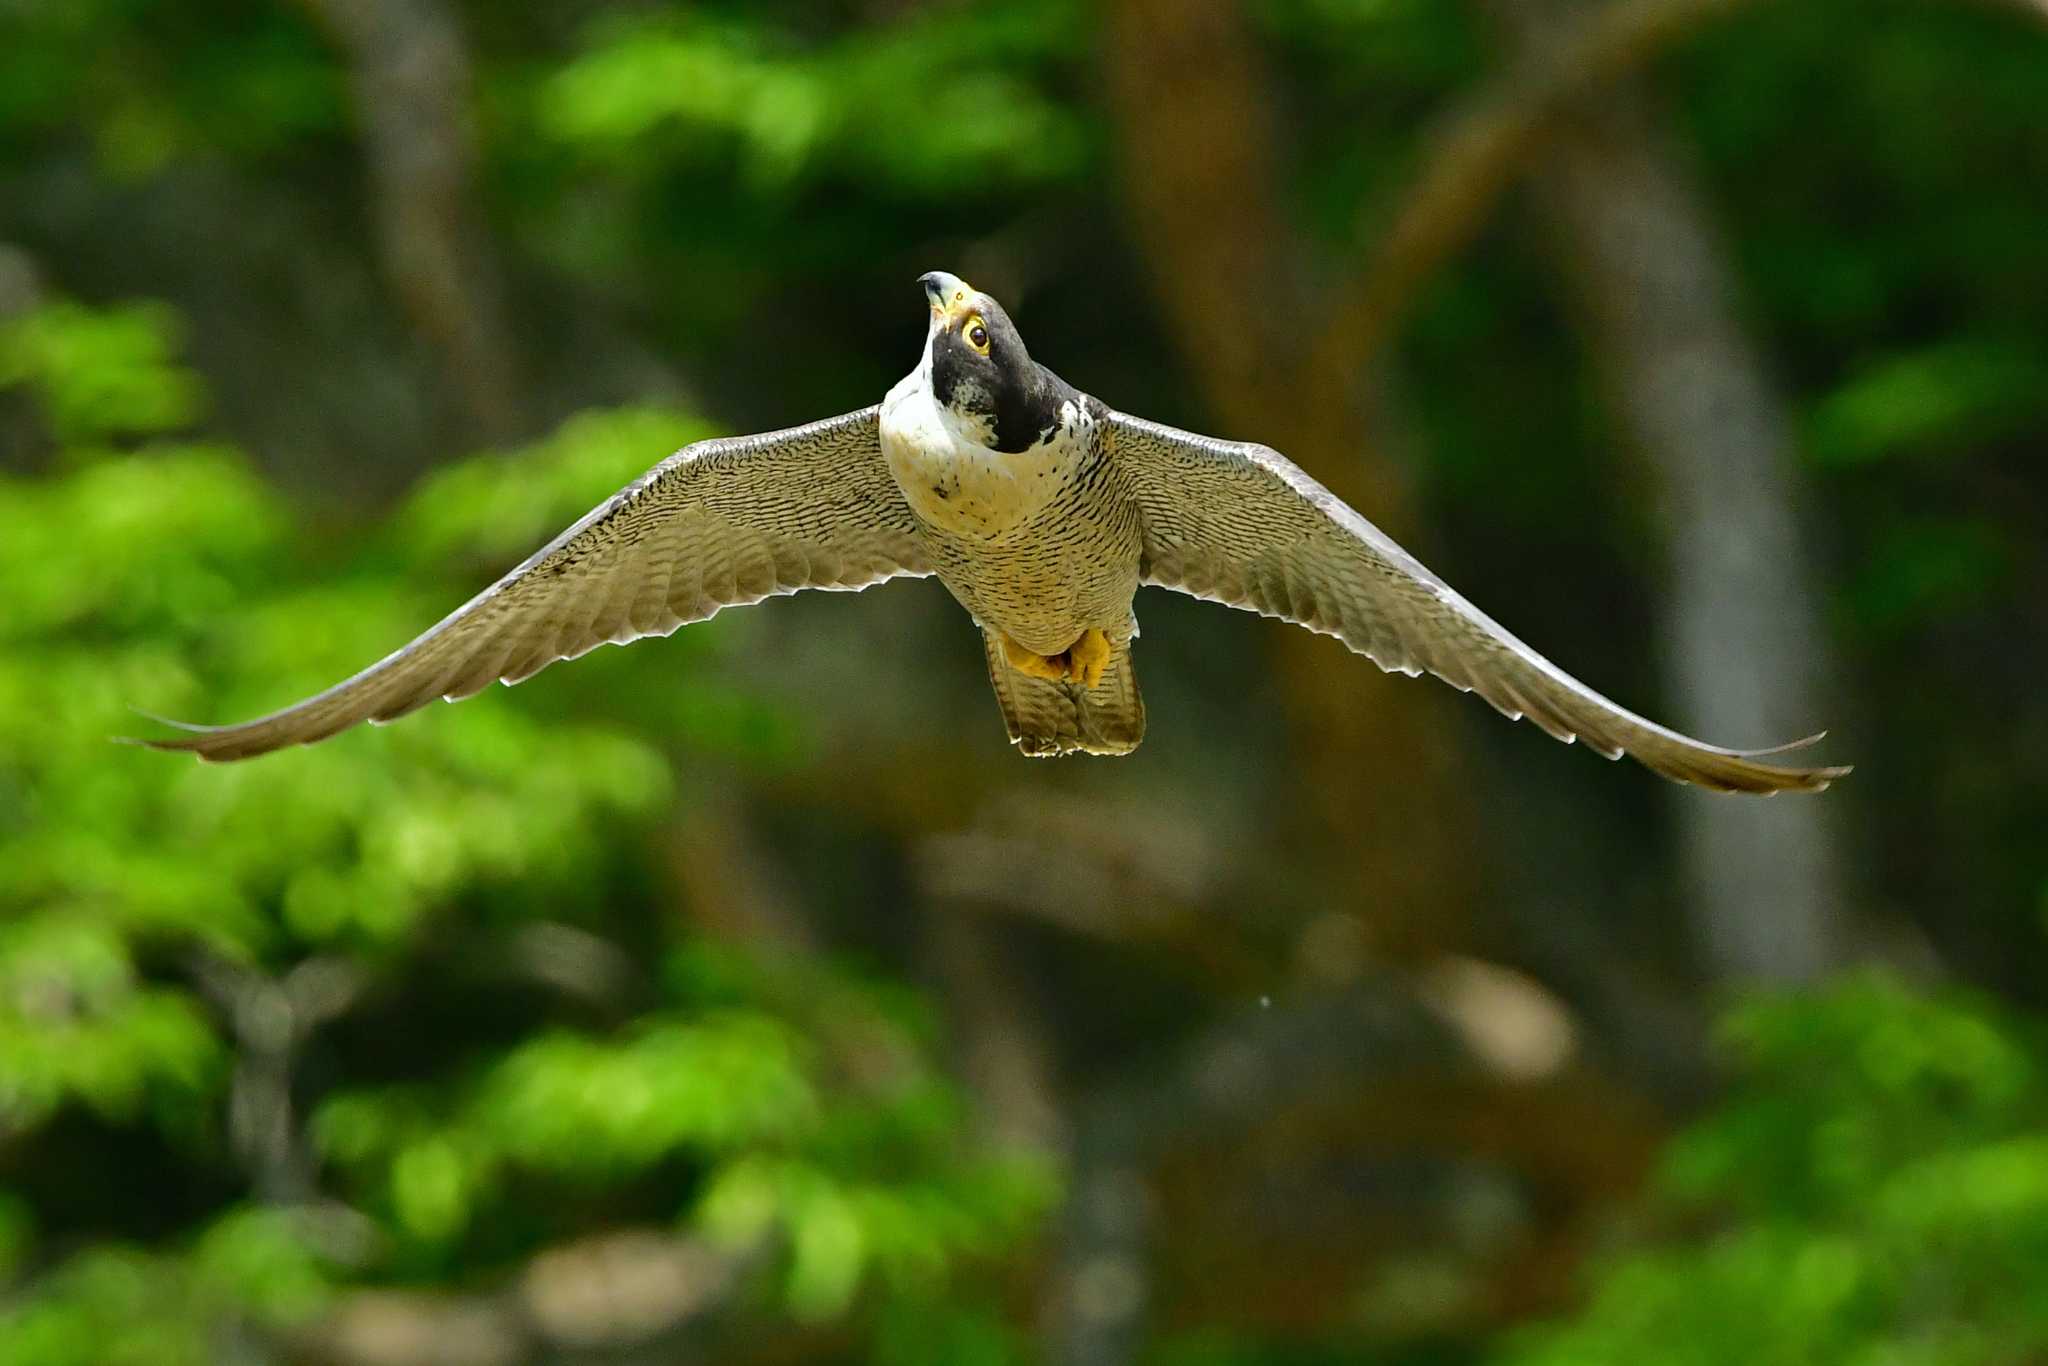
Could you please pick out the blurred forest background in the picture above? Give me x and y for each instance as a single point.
(741, 997)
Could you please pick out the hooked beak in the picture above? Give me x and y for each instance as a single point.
(947, 294)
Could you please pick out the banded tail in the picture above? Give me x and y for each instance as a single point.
(1046, 719)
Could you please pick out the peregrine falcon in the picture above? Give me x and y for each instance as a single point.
(1042, 510)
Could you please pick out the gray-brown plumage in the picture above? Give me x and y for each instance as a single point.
(719, 524)
(1042, 511)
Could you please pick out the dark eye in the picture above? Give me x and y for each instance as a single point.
(977, 337)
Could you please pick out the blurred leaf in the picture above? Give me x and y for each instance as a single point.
(115, 1304)
(1879, 1182)
(1937, 401)
(862, 107)
(920, 1332)
(101, 372)
(499, 508)
(1924, 571)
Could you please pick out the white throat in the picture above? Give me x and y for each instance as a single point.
(949, 474)
(976, 434)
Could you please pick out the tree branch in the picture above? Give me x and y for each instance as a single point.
(1191, 108)
(1197, 136)
(1745, 652)
(1354, 1079)
(410, 72)
(1479, 151)
(22, 439)
(605, 1297)
(272, 1017)
(1484, 145)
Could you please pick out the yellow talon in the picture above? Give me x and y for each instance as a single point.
(1087, 658)
(1024, 661)
(1082, 662)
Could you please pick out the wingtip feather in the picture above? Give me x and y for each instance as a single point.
(190, 727)
(1806, 742)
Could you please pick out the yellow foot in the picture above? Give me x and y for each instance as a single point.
(1036, 665)
(1087, 658)
(1082, 662)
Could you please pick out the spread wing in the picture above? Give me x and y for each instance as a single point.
(719, 524)
(1242, 525)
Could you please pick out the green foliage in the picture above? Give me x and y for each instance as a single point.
(1933, 402)
(132, 885)
(249, 1269)
(731, 187)
(917, 1332)
(1924, 569)
(86, 1029)
(860, 107)
(1874, 1191)
(846, 1180)
(151, 84)
(495, 510)
(100, 373)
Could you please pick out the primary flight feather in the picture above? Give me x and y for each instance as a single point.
(1041, 510)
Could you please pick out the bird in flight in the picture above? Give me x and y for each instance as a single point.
(1041, 510)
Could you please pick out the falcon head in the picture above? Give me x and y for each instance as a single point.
(980, 372)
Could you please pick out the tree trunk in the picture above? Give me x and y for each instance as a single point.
(1378, 767)
(1744, 644)
(410, 76)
